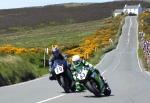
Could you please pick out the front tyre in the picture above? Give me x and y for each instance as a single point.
(65, 84)
(93, 87)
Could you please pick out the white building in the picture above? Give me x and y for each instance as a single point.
(148, 9)
(132, 9)
(118, 12)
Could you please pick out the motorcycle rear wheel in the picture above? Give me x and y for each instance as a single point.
(107, 91)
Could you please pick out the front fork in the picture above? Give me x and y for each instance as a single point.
(99, 79)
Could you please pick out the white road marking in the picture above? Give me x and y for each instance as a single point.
(129, 30)
(138, 58)
(139, 64)
(114, 67)
(148, 73)
(117, 63)
(49, 99)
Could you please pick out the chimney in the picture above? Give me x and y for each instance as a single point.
(139, 5)
(125, 5)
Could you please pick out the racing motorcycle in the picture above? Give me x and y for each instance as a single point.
(64, 76)
(93, 81)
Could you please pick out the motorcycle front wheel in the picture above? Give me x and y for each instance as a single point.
(64, 83)
(93, 87)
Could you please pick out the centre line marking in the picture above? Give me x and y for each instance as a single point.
(129, 31)
(49, 99)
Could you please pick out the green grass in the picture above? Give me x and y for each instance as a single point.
(143, 59)
(46, 36)
(20, 68)
(13, 69)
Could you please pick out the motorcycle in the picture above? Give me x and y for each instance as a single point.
(92, 80)
(64, 76)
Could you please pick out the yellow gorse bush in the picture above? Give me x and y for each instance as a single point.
(144, 25)
(100, 39)
(10, 49)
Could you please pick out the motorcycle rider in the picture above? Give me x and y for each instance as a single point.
(78, 62)
(56, 55)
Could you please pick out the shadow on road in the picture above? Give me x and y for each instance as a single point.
(92, 96)
(75, 92)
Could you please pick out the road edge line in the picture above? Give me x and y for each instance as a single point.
(139, 64)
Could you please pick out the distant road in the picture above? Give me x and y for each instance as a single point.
(121, 67)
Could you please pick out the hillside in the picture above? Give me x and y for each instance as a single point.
(57, 14)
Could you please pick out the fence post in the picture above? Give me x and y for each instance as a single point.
(44, 59)
(95, 49)
(87, 56)
(111, 42)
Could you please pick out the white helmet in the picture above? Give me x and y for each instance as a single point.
(76, 60)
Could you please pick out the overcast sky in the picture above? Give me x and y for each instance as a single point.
(7, 4)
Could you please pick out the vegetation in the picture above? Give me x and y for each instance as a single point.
(99, 40)
(142, 56)
(144, 26)
(45, 36)
(13, 70)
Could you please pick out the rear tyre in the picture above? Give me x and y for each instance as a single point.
(107, 91)
(73, 89)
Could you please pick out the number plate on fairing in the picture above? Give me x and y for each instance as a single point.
(82, 74)
(59, 69)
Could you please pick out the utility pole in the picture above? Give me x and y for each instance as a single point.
(44, 58)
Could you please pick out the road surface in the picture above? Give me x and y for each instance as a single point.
(121, 67)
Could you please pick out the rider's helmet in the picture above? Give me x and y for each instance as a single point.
(76, 60)
(55, 51)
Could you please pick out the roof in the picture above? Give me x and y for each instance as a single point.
(131, 7)
(118, 11)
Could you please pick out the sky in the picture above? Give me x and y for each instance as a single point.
(8, 4)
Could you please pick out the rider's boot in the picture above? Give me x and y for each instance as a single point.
(52, 77)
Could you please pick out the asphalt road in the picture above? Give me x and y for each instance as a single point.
(121, 67)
